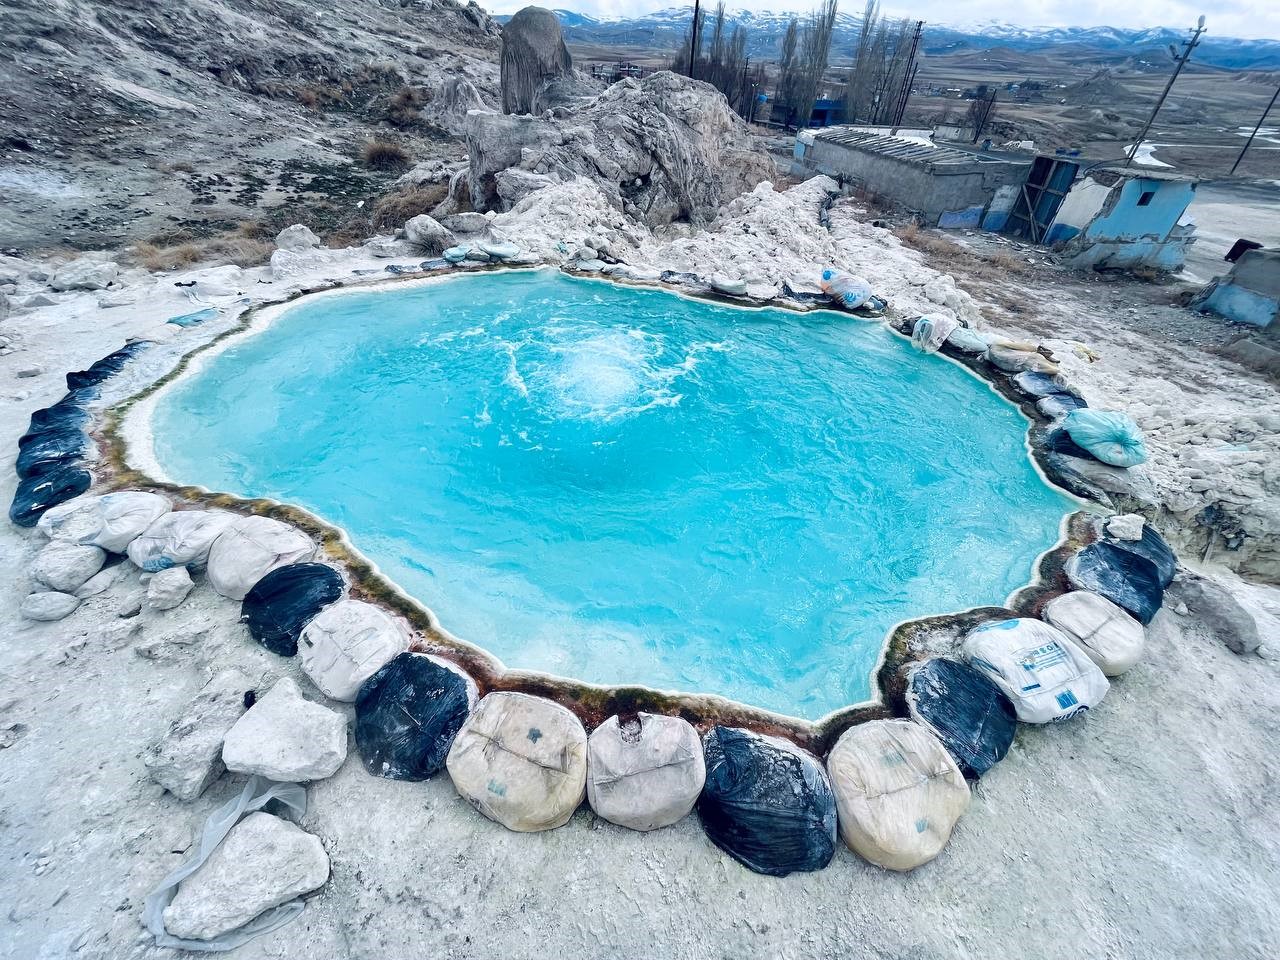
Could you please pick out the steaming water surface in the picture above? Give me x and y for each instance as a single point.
(624, 486)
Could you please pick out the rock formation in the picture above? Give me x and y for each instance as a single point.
(533, 52)
(663, 148)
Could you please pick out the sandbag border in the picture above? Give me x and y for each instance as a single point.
(592, 703)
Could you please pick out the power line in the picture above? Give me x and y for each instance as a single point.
(1187, 46)
(1261, 120)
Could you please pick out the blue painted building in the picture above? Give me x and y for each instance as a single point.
(1250, 293)
(1124, 218)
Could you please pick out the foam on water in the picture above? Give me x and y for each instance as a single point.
(623, 486)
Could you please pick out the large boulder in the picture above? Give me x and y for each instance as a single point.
(168, 588)
(47, 605)
(287, 738)
(664, 148)
(189, 756)
(766, 803)
(428, 235)
(261, 863)
(1215, 607)
(646, 772)
(86, 273)
(533, 52)
(898, 792)
(297, 237)
(521, 760)
(66, 566)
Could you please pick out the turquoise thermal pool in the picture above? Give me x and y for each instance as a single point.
(624, 486)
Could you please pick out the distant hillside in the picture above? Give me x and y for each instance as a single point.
(666, 28)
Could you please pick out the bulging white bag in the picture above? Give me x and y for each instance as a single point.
(347, 643)
(645, 773)
(1045, 675)
(898, 792)
(521, 760)
(250, 548)
(1105, 632)
(179, 539)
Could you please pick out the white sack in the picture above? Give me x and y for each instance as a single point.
(521, 760)
(898, 792)
(346, 643)
(179, 539)
(646, 773)
(1105, 632)
(1044, 674)
(249, 549)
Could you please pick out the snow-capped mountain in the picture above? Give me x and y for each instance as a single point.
(665, 28)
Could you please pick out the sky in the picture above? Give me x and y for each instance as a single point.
(1226, 18)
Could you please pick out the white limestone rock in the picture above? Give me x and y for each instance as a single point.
(1126, 526)
(84, 274)
(428, 236)
(287, 738)
(189, 756)
(168, 588)
(261, 863)
(250, 548)
(65, 567)
(297, 237)
(47, 605)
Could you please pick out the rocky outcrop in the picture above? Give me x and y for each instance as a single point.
(533, 52)
(189, 756)
(664, 148)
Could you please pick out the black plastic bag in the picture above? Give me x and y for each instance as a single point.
(67, 413)
(970, 715)
(1126, 579)
(1152, 546)
(105, 368)
(1059, 441)
(407, 715)
(286, 600)
(38, 453)
(1036, 384)
(37, 493)
(768, 807)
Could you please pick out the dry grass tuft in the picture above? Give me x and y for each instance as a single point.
(384, 155)
(403, 109)
(243, 251)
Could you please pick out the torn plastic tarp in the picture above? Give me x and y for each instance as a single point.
(256, 794)
(107, 367)
(1152, 546)
(37, 494)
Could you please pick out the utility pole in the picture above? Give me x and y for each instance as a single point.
(1181, 58)
(693, 41)
(986, 114)
(1261, 120)
(908, 77)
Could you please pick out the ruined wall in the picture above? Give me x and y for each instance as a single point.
(1101, 225)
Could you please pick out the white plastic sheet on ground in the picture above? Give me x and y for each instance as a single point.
(347, 643)
(645, 773)
(898, 792)
(249, 549)
(1111, 638)
(521, 761)
(179, 539)
(255, 795)
(1044, 674)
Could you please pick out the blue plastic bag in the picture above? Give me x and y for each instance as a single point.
(845, 289)
(1108, 436)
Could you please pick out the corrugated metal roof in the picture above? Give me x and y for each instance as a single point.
(908, 150)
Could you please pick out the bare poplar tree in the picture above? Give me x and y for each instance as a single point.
(815, 48)
(789, 73)
(857, 90)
